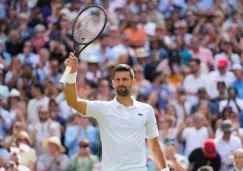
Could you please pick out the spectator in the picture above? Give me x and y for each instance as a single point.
(5, 120)
(54, 159)
(135, 35)
(228, 54)
(104, 93)
(238, 160)
(238, 83)
(43, 66)
(45, 128)
(54, 73)
(4, 90)
(195, 136)
(181, 162)
(206, 155)
(13, 100)
(181, 28)
(37, 91)
(159, 85)
(221, 87)
(199, 79)
(12, 75)
(221, 75)
(79, 130)
(203, 97)
(167, 128)
(204, 54)
(84, 159)
(27, 155)
(17, 126)
(182, 106)
(226, 144)
(233, 101)
(141, 82)
(28, 56)
(4, 154)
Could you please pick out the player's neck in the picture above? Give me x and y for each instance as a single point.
(126, 101)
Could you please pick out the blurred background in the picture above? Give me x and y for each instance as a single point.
(187, 56)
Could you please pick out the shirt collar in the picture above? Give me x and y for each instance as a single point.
(117, 104)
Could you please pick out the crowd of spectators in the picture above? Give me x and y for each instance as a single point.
(187, 56)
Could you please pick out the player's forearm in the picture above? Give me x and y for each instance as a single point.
(71, 95)
(159, 157)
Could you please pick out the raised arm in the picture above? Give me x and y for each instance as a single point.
(71, 89)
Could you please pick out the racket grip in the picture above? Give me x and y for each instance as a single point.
(65, 75)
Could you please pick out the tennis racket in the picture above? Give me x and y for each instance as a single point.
(87, 26)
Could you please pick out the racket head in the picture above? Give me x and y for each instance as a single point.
(89, 24)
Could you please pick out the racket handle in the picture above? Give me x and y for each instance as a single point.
(65, 75)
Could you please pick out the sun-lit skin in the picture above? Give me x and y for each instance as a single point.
(123, 83)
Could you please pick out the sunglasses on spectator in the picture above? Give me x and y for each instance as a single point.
(83, 145)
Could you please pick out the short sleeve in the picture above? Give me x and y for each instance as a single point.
(151, 126)
(95, 109)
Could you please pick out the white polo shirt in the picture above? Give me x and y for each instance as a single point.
(123, 131)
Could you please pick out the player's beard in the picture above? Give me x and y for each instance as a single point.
(122, 91)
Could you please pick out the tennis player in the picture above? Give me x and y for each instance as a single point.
(124, 122)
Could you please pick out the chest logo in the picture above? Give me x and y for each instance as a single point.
(140, 114)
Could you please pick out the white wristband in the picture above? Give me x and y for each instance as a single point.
(71, 78)
(165, 169)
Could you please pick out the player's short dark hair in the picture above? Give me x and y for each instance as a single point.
(124, 68)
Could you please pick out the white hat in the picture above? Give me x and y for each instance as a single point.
(53, 140)
(236, 67)
(141, 53)
(14, 93)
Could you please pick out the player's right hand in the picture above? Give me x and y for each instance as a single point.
(72, 61)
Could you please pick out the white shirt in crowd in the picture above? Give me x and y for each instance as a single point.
(225, 149)
(42, 130)
(194, 138)
(223, 104)
(180, 111)
(32, 108)
(192, 84)
(123, 131)
(215, 77)
(219, 133)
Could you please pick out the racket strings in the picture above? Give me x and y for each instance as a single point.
(89, 25)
